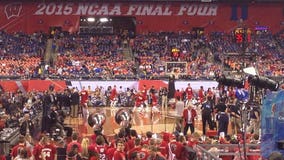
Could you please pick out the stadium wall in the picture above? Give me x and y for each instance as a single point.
(60, 85)
(150, 16)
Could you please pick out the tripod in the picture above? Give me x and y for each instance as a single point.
(244, 120)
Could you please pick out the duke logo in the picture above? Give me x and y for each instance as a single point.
(13, 9)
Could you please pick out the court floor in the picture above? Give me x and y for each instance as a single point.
(165, 121)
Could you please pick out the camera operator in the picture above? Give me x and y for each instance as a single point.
(254, 123)
(27, 126)
(222, 117)
(235, 116)
(55, 120)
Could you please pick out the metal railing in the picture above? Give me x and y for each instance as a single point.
(226, 150)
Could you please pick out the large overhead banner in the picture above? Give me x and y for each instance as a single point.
(150, 16)
(108, 9)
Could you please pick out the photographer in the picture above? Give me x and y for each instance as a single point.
(55, 120)
(27, 126)
(254, 123)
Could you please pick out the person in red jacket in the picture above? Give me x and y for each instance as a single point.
(189, 115)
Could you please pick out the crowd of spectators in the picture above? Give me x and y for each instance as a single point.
(18, 105)
(103, 57)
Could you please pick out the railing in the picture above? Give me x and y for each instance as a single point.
(113, 77)
(226, 150)
(205, 155)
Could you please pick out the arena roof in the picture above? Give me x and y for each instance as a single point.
(223, 1)
(205, 1)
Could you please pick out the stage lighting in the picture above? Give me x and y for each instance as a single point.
(228, 81)
(263, 82)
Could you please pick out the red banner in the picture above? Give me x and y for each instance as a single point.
(33, 85)
(150, 16)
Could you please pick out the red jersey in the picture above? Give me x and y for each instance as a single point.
(164, 148)
(175, 149)
(110, 152)
(130, 143)
(210, 94)
(139, 100)
(37, 151)
(101, 150)
(201, 95)
(145, 141)
(154, 99)
(16, 149)
(48, 152)
(143, 154)
(2, 157)
(113, 94)
(144, 94)
(84, 96)
(178, 94)
(231, 93)
(69, 146)
(189, 93)
(131, 151)
(192, 143)
(119, 155)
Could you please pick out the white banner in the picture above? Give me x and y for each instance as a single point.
(134, 84)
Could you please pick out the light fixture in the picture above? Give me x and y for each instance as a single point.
(103, 20)
(91, 19)
(263, 82)
(228, 81)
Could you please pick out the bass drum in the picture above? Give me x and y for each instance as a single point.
(123, 117)
(96, 120)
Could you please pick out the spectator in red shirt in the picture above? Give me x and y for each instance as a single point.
(17, 148)
(133, 137)
(175, 149)
(119, 154)
(75, 140)
(149, 135)
(73, 154)
(100, 147)
(48, 151)
(136, 148)
(37, 149)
